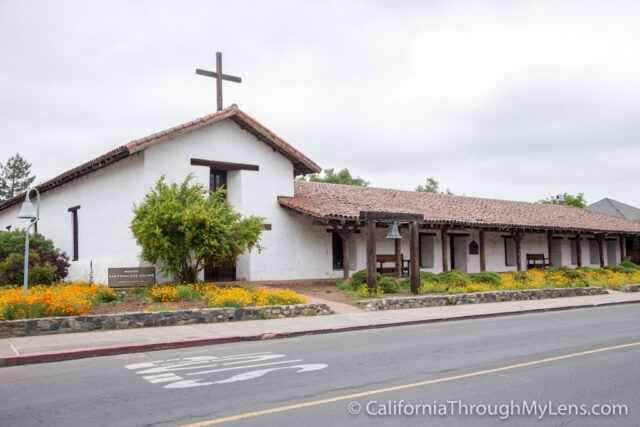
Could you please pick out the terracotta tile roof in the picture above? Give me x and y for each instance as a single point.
(301, 163)
(332, 201)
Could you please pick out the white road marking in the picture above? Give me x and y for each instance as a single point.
(163, 371)
(260, 372)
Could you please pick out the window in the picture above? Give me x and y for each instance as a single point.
(217, 179)
(336, 248)
(594, 252)
(74, 228)
(509, 251)
(426, 250)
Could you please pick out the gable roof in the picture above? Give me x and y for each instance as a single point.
(301, 164)
(615, 208)
(344, 202)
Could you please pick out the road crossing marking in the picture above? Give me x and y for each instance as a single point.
(166, 371)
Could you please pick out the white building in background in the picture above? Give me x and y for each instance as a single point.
(87, 211)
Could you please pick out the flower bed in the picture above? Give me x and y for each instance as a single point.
(457, 282)
(71, 299)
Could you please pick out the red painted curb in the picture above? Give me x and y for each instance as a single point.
(56, 356)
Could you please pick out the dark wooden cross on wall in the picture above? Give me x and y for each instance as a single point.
(219, 77)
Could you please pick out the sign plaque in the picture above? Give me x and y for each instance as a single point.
(131, 276)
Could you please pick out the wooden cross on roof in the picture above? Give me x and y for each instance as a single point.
(219, 77)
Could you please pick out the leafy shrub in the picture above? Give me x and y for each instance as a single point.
(454, 277)
(102, 293)
(486, 277)
(347, 285)
(629, 264)
(359, 278)
(41, 275)
(187, 292)
(432, 288)
(425, 277)
(12, 269)
(388, 285)
(588, 269)
(59, 260)
(621, 269)
(13, 242)
(520, 276)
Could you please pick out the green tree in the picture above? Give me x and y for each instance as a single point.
(14, 177)
(432, 187)
(571, 200)
(187, 227)
(13, 242)
(342, 177)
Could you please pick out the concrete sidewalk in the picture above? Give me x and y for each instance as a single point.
(47, 348)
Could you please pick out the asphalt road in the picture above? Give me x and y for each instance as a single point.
(179, 387)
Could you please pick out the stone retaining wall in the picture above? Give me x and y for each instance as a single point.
(478, 297)
(141, 319)
(630, 288)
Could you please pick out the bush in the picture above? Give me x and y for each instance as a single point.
(486, 277)
(588, 269)
(359, 278)
(454, 277)
(12, 270)
(388, 285)
(59, 260)
(621, 269)
(425, 277)
(13, 242)
(186, 292)
(629, 264)
(41, 275)
(520, 276)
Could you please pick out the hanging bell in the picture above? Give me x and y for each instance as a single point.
(394, 233)
(27, 210)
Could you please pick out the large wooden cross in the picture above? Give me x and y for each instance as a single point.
(219, 77)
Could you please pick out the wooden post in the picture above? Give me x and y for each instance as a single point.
(621, 240)
(370, 236)
(600, 241)
(578, 250)
(398, 249)
(483, 260)
(346, 241)
(550, 247)
(445, 250)
(415, 263)
(517, 237)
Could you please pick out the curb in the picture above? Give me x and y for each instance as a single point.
(56, 356)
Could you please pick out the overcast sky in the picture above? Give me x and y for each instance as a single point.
(505, 99)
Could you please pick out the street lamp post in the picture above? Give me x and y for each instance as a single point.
(27, 212)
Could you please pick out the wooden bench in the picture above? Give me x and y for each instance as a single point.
(386, 258)
(537, 261)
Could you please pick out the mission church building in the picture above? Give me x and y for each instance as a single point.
(313, 230)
